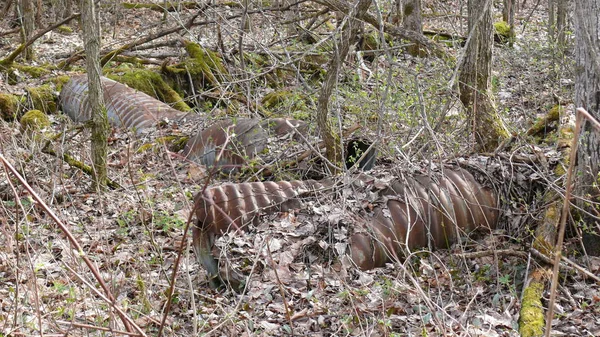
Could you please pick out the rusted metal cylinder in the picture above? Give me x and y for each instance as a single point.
(235, 142)
(423, 212)
(412, 212)
(233, 206)
(125, 107)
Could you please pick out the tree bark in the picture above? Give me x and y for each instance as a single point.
(508, 16)
(62, 9)
(27, 13)
(551, 20)
(474, 79)
(349, 31)
(100, 126)
(561, 23)
(587, 95)
(413, 21)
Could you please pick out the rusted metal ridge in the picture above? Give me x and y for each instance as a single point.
(235, 142)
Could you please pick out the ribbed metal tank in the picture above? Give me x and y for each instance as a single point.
(412, 212)
(237, 141)
(125, 107)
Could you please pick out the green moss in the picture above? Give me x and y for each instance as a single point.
(145, 147)
(59, 81)
(287, 103)
(204, 68)
(174, 143)
(65, 30)
(9, 106)
(206, 62)
(371, 41)
(531, 320)
(43, 98)
(504, 33)
(33, 71)
(548, 123)
(34, 120)
(275, 98)
(152, 84)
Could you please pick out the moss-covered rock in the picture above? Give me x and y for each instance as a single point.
(43, 98)
(34, 120)
(9, 106)
(152, 84)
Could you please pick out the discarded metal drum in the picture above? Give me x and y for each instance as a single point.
(412, 212)
(233, 206)
(125, 107)
(229, 144)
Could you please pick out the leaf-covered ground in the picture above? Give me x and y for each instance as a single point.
(299, 280)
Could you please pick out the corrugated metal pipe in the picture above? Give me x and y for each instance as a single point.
(125, 107)
(411, 212)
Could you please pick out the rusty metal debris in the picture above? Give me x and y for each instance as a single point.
(423, 211)
(229, 144)
(233, 206)
(413, 212)
(125, 107)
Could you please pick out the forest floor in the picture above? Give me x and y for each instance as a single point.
(133, 234)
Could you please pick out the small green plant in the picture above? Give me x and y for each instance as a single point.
(167, 222)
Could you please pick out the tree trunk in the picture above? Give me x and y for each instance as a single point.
(413, 21)
(62, 9)
(508, 16)
(474, 79)
(100, 127)
(27, 13)
(551, 19)
(561, 23)
(587, 95)
(331, 138)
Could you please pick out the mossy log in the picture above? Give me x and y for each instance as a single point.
(531, 320)
(71, 161)
(531, 316)
(203, 69)
(6, 64)
(546, 124)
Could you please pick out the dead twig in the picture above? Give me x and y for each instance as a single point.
(11, 58)
(580, 114)
(109, 298)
